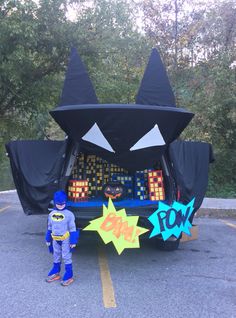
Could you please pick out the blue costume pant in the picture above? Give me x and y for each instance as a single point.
(61, 249)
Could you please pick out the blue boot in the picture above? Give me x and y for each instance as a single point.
(68, 276)
(54, 273)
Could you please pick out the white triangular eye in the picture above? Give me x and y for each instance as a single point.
(95, 136)
(151, 139)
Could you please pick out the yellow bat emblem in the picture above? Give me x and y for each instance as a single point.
(58, 217)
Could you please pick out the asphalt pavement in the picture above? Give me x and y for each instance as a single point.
(197, 280)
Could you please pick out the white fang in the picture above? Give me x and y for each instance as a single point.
(95, 136)
(151, 139)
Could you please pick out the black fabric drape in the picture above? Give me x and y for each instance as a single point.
(77, 88)
(123, 125)
(36, 169)
(191, 164)
(155, 88)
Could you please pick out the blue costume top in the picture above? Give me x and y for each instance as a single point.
(60, 222)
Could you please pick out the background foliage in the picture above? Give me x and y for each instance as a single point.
(114, 38)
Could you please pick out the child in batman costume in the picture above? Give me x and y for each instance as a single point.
(61, 238)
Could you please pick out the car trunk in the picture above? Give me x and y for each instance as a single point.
(143, 189)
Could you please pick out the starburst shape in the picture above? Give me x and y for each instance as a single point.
(115, 226)
(172, 220)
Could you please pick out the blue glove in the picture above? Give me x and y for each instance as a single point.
(48, 238)
(74, 236)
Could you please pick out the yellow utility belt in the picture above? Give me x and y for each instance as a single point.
(60, 237)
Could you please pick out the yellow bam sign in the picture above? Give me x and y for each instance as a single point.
(115, 226)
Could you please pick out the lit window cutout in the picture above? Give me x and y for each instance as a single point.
(151, 139)
(95, 136)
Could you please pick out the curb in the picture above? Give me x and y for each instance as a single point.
(7, 191)
(219, 203)
(216, 213)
